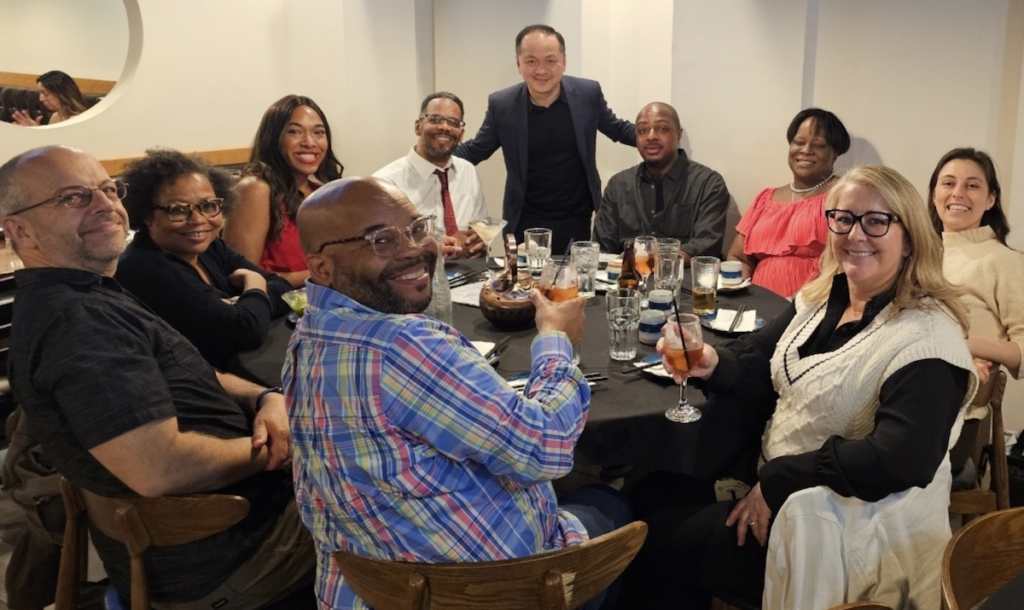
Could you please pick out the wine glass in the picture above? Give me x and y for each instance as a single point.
(646, 258)
(684, 347)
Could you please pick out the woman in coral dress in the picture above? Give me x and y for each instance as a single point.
(782, 234)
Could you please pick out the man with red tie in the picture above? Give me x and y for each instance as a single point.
(436, 182)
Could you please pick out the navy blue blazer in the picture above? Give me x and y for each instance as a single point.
(505, 126)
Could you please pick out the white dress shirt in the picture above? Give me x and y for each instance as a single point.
(415, 176)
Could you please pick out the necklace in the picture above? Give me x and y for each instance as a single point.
(792, 185)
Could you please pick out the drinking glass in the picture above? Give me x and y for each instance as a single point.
(646, 259)
(668, 274)
(488, 228)
(585, 256)
(559, 282)
(704, 271)
(684, 346)
(623, 323)
(538, 249)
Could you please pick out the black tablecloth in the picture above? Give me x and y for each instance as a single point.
(626, 425)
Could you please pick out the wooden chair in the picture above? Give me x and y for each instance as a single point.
(559, 580)
(978, 501)
(138, 523)
(981, 557)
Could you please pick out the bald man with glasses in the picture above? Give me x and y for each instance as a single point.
(409, 446)
(123, 405)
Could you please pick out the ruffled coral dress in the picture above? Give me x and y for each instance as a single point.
(786, 239)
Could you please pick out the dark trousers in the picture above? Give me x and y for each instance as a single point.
(601, 509)
(576, 228)
(689, 555)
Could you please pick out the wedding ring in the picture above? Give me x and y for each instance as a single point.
(751, 523)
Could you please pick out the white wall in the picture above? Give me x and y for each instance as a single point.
(910, 79)
(83, 39)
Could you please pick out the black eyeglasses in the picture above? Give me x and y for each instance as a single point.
(387, 241)
(179, 211)
(81, 196)
(436, 119)
(874, 224)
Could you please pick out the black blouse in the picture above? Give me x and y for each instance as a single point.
(918, 405)
(177, 293)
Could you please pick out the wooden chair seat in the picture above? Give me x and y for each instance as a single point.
(138, 523)
(982, 557)
(559, 580)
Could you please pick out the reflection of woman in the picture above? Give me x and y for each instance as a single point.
(59, 94)
(291, 157)
(868, 371)
(782, 234)
(966, 209)
(178, 265)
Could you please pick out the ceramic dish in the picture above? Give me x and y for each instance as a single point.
(713, 323)
(742, 285)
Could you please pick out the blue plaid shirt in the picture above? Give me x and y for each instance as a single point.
(408, 446)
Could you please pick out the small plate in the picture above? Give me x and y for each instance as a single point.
(741, 286)
(710, 322)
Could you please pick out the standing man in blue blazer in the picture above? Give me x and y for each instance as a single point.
(547, 127)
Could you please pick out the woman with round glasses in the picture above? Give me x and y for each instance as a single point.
(291, 156)
(178, 265)
(862, 381)
(59, 94)
(967, 211)
(782, 234)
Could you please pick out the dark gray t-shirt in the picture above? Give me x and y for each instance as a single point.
(89, 363)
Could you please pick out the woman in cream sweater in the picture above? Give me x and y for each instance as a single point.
(967, 211)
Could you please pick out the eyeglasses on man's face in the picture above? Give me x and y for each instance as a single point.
(436, 119)
(178, 211)
(386, 242)
(81, 196)
(873, 224)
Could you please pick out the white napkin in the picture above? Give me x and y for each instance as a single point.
(468, 294)
(725, 317)
(657, 371)
(483, 346)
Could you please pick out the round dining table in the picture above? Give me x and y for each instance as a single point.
(626, 424)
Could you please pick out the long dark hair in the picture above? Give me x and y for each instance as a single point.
(64, 88)
(995, 217)
(267, 162)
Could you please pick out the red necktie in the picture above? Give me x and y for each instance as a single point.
(450, 226)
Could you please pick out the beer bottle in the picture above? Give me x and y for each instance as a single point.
(630, 277)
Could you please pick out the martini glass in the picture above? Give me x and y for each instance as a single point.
(487, 228)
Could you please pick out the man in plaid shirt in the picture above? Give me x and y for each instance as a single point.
(407, 444)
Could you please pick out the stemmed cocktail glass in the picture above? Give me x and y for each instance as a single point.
(684, 347)
(646, 259)
(487, 228)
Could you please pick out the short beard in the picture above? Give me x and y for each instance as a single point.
(377, 294)
(438, 155)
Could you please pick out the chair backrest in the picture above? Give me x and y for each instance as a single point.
(980, 501)
(138, 523)
(981, 557)
(562, 579)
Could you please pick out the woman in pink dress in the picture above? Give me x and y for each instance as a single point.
(782, 234)
(291, 156)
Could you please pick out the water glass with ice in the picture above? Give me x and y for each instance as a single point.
(538, 249)
(585, 256)
(623, 323)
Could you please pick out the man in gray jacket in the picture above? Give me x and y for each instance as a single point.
(667, 195)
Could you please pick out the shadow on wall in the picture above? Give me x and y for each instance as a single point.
(861, 152)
